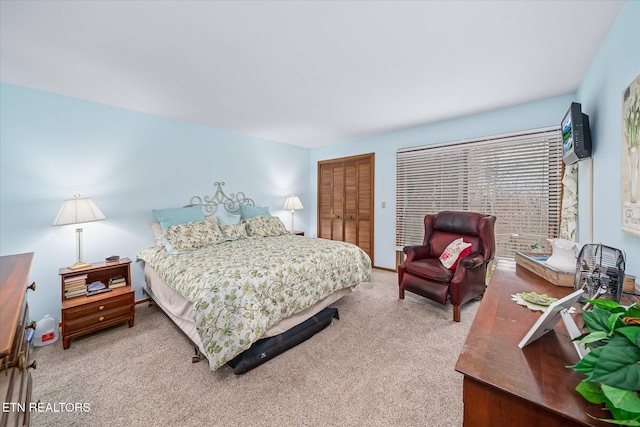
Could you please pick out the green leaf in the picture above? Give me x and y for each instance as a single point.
(579, 337)
(633, 311)
(615, 320)
(631, 332)
(618, 364)
(622, 422)
(604, 304)
(587, 364)
(594, 337)
(625, 400)
(591, 391)
(596, 321)
(622, 417)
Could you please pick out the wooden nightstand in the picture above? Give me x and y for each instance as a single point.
(83, 314)
(298, 233)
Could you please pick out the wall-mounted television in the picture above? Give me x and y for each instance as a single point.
(576, 135)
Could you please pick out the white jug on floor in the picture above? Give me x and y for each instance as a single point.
(46, 331)
(563, 255)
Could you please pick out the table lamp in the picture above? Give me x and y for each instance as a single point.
(293, 203)
(77, 211)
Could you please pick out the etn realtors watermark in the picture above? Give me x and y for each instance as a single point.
(53, 407)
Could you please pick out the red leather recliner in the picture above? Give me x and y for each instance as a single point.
(422, 272)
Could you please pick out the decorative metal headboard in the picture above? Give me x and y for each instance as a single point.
(231, 203)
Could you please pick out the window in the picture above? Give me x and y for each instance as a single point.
(516, 177)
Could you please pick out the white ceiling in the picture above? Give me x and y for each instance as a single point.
(307, 73)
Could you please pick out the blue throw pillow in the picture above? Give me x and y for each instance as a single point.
(176, 216)
(251, 211)
(225, 218)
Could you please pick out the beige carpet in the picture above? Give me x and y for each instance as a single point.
(385, 362)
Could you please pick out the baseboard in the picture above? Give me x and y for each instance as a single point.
(385, 269)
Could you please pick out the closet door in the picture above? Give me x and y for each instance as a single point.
(365, 206)
(330, 193)
(345, 200)
(351, 202)
(325, 190)
(337, 203)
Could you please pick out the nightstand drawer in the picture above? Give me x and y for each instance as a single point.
(98, 307)
(105, 318)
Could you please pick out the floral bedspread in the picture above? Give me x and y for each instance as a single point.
(241, 288)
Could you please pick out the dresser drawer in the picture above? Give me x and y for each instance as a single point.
(97, 307)
(16, 388)
(96, 321)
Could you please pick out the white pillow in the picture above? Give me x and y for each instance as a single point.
(225, 218)
(157, 232)
(456, 250)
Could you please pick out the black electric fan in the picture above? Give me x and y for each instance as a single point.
(600, 272)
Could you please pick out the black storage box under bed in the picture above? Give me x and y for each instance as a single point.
(266, 349)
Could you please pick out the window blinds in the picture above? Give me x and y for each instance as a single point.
(516, 177)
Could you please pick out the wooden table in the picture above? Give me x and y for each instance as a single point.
(508, 386)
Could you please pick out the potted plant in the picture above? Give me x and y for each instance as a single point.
(612, 365)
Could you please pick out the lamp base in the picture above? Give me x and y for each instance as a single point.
(79, 266)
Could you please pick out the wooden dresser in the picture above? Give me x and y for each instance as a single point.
(15, 377)
(508, 386)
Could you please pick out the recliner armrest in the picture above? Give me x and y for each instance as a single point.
(465, 265)
(416, 252)
(470, 262)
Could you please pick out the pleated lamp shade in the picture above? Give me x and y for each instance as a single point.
(78, 210)
(293, 203)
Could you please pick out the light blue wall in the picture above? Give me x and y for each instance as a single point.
(52, 147)
(616, 65)
(530, 116)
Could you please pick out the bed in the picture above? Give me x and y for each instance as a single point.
(231, 292)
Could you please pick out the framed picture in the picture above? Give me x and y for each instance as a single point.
(557, 311)
(630, 155)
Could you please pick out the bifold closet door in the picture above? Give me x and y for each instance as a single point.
(365, 206)
(345, 200)
(330, 199)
